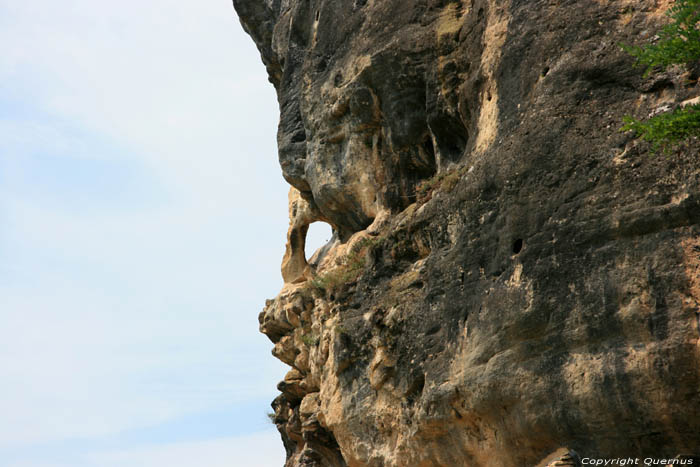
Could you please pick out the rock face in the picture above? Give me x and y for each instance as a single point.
(511, 277)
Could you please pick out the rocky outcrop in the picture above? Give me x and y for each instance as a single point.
(512, 281)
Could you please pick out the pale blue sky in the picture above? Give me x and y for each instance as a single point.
(142, 224)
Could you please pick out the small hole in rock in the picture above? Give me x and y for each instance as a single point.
(299, 136)
(545, 71)
(517, 246)
(318, 235)
(429, 148)
(318, 14)
(416, 388)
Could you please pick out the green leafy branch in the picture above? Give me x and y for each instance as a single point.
(679, 44)
(669, 128)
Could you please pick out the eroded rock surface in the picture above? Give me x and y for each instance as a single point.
(512, 279)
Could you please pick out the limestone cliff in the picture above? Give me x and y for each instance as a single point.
(510, 276)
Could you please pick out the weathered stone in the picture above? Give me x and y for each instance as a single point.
(285, 350)
(291, 386)
(310, 405)
(302, 213)
(541, 289)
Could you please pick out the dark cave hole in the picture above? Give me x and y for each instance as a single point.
(416, 388)
(299, 136)
(517, 246)
(428, 148)
(450, 136)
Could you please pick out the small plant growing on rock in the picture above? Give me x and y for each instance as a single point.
(443, 181)
(343, 274)
(679, 44)
(351, 266)
(310, 340)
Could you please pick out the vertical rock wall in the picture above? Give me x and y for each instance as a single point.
(511, 277)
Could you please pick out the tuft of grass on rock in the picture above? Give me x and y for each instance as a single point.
(350, 268)
(444, 181)
(310, 340)
(271, 417)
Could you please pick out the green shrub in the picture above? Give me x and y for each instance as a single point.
(679, 43)
(669, 128)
